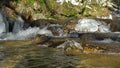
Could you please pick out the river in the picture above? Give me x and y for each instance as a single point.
(18, 49)
(23, 54)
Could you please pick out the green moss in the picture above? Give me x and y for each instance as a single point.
(28, 2)
(48, 15)
(52, 9)
(42, 3)
(18, 1)
(31, 1)
(69, 12)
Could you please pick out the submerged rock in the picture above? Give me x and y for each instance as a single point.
(101, 47)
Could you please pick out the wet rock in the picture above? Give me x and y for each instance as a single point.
(91, 48)
(42, 22)
(74, 35)
(115, 27)
(54, 42)
(56, 29)
(72, 23)
(101, 47)
(41, 39)
(72, 47)
(38, 16)
(10, 13)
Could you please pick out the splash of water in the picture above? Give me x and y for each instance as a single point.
(26, 34)
(18, 32)
(3, 22)
(18, 25)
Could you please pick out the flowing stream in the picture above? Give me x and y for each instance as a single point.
(18, 51)
(32, 56)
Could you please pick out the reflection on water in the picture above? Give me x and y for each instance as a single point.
(33, 56)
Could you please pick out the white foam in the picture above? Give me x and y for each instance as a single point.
(2, 24)
(28, 33)
(91, 25)
(45, 31)
(74, 2)
(18, 25)
(104, 28)
(87, 25)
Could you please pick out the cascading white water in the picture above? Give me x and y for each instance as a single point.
(91, 25)
(3, 23)
(28, 33)
(18, 33)
(18, 25)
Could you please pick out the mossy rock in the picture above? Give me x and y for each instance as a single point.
(98, 11)
(52, 9)
(66, 10)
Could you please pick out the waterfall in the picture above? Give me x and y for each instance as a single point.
(3, 22)
(16, 30)
(18, 25)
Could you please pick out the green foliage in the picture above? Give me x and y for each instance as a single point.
(31, 1)
(42, 2)
(48, 15)
(28, 1)
(69, 12)
(18, 1)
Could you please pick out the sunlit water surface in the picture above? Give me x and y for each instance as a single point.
(22, 54)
